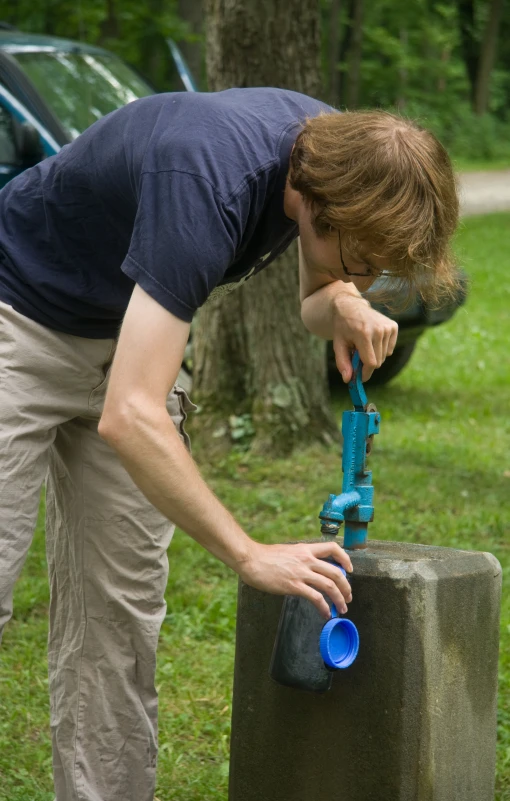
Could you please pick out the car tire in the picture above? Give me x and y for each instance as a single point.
(392, 366)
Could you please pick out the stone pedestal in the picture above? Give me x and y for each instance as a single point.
(413, 719)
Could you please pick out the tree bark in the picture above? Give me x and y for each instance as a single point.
(252, 354)
(469, 43)
(192, 12)
(344, 51)
(355, 53)
(402, 73)
(334, 54)
(487, 57)
(445, 58)
(109, 28)
(153, 50)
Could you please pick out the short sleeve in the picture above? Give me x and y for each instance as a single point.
(183, 241)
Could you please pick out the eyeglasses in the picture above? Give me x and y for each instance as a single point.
(369, 274)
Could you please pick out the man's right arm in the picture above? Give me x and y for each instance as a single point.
(336, 310)
(135, 422)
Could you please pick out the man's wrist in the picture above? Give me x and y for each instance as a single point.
(241, 550)
(345, 293)
(346, 288)
(320, 309)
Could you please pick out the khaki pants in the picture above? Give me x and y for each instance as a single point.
(107, 558)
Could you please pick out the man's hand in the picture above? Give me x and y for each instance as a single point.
(300, 569)
(335, 309)
(356, 326)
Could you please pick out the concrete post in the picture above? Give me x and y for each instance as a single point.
(413, 719)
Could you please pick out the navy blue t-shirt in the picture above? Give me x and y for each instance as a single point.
(180, 193)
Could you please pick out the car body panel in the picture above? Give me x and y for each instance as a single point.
(24, 103)
(17, 41)
(10, 105)
(23, 115)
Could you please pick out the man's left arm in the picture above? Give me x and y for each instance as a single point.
(332, 309)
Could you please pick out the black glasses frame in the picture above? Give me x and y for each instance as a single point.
(369, 274)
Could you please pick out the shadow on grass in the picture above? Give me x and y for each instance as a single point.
(477, 481)
(424, 401)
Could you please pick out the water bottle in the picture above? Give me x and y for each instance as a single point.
(307, 651)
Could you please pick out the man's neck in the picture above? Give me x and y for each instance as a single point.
(292, 202)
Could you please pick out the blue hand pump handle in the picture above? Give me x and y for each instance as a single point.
(354, 505)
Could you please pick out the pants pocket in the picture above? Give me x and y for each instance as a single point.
(98, 393)
(179, 405)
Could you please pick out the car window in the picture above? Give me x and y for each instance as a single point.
(80, 88)
(8, 153)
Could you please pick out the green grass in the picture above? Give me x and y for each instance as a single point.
(480, 165)
(442, 475)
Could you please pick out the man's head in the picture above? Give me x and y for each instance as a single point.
(380, 194)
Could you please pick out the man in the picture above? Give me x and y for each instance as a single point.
(137, 223)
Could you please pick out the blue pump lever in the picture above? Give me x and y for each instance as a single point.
(356, 388)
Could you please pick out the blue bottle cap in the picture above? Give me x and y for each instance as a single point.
(339, 643)
(339, 640)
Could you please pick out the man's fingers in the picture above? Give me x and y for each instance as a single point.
(324, 549)
(369, 360)
(386, 344)
(317, 599)
(343, 359)
(389, 341)
(332, 573)
(383, 343)
(393, 339)
(378, 346)
(364, 343)
(330, 589)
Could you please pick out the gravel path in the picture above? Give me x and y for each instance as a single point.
(483, 192)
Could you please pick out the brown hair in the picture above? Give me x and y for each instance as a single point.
(384, 181)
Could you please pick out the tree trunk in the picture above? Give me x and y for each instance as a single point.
(355, 53)
(344, 51)
(445, 58)
(252, 354)
(109, 28)
(469, 43)
(153, 50)
(334, 53)
(487, 57)
(192, 12)
(402, 72)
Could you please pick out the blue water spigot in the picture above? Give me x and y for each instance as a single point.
(354, 506)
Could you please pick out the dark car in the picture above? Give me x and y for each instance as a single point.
(64, 85)
(51, 89)
(413, 320)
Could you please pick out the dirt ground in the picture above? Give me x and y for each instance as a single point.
(483, 192)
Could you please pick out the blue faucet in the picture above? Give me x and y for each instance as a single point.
(354, 506)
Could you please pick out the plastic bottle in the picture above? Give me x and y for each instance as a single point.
(307, 651)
